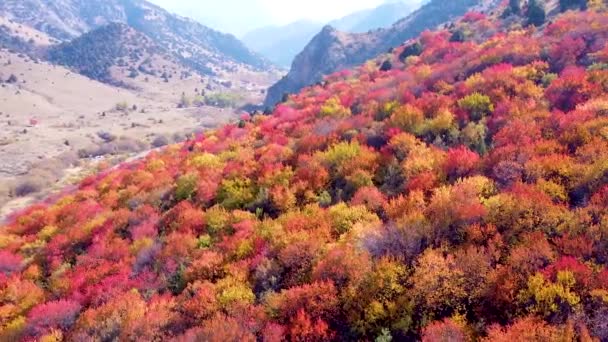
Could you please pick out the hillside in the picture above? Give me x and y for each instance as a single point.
(332, 50)
(198, 46)
(95, 53)
(52, 117)
(459, 193)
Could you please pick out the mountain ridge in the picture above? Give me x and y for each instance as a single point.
(282, 43)
(306, 69)
(198, 45)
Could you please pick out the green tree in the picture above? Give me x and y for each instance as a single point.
(411, 50)
(186, 186)
(536, 13)
(236, 193)
(458, 36)
(515, 6)
(477, 105)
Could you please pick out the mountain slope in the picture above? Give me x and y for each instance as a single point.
(332, 50)
(199, 46)
(460, 194)
(95, 53)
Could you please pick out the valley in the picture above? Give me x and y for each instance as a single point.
(75, 92)
(52, 117)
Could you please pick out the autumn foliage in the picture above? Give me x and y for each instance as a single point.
(461, 195)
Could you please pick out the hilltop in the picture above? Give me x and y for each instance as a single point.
(453, 188)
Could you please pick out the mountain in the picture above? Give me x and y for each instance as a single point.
(98, 53)
(280, 44)
(332, 50)
(380, 17)
(458, 192)
(196, 45)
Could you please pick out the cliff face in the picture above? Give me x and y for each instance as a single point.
(332, 50)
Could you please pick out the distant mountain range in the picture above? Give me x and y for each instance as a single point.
(332, 49)
(281, 44)
(195, 45)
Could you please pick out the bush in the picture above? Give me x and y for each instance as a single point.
(122, 106)
(106, 136)
(476, 105)
(333, 108)
(458, 36)
(184, 102)
(408, 118)
(236, 193)
(536, 13)
(386, 65)
(411, 50)
(186, 186)
(28, 185)
(223, 100)
(160, 141)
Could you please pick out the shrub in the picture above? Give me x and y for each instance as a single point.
(476, 105)
(58, 314)
(236, 193)
(344, 217)
(446, 330)
(386, 65)
(186, 186)
(160, 141)
(536, 13)
(223, 100)
(333, 108)
(10, 262)
(458, 36)
(106, 136)
(122, 106)
(29, 185)
(409, 118)
(411, 50)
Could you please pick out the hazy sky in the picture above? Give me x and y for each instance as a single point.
(240, 16)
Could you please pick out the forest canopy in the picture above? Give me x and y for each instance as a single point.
(461, 194)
